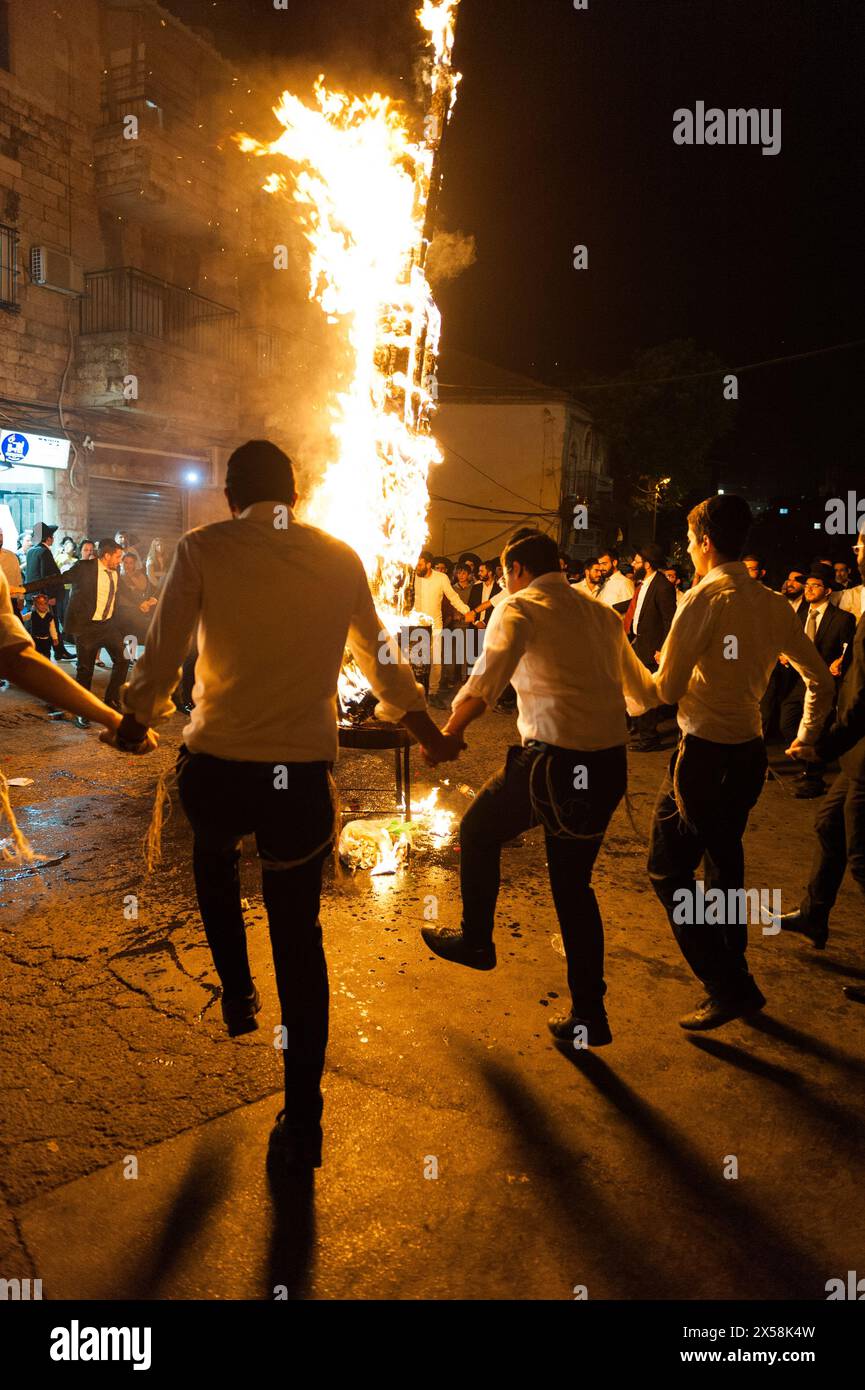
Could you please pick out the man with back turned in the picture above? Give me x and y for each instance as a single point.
(273, 603)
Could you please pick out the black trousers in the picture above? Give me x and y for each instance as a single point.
(536, 787)
(701, 814)
(289, 810)
(840, 828)
(88, 643)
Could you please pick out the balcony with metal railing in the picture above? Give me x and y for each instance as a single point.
(129, 301)
(153, 313)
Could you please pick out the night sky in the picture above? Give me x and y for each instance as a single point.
(563, 133)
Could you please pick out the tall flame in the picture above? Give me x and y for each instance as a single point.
(361, 185)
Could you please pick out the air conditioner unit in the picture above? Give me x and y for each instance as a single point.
(55, 270)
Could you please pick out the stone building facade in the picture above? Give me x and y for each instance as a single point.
(141, 315)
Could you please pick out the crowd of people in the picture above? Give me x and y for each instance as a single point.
(587, 653)
(96, 595)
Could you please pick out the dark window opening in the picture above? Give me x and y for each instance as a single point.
(5, 57)
(8, 259)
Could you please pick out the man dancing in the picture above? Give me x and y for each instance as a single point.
(840, 825)
(715, 665)
(261, 741)
(568, 775)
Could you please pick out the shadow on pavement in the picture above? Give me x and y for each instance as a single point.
(849, 1124)
(806, 1042)
(751, 1247)
(292, 1236)
(204, 1185)
(600, 1237)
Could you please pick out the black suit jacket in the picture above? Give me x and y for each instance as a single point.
(477, 596)
(846, 738)
(82, 576)
(836, 629)
(656, 615)
(40, 564)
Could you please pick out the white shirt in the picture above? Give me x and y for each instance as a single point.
(103, 592)
(717, 683)
(569, 661)
(820, 610)
(12, 631)
(10, 567)
(584, 587)
(429, 592)
(274, 608)
(616, 589)
(644, 589)
(851, 601)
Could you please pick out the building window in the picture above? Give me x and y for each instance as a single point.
(8, 263)
(5, 60)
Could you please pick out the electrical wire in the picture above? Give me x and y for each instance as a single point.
(490, 511)
(488, 476)
(719, 371)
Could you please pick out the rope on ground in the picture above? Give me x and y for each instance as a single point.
(165, 784)
(19, 851)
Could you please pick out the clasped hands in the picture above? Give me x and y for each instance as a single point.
(803, 752)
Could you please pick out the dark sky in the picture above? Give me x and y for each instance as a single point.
(563, 133)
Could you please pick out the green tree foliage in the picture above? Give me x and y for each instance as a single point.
(663, 417)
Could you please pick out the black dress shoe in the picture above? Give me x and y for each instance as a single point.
(81, 722)
(564, 1028)
(450, 944)
(293, 1148)
(806, 788)
(645, 745)
(856, 993)
(64, 655)
(797, 922)
(711, 1013)
(239, 1014)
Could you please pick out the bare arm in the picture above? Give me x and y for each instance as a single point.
(25, 668)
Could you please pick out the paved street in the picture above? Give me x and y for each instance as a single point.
(603, 1170)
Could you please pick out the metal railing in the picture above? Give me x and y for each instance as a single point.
(127, 300)
(130, 301)
(132, 89)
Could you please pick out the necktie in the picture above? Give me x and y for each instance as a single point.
(632, 606)
(109, 602)
(811, 625)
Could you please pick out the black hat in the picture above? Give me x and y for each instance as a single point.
(824, 572)
(41, 530)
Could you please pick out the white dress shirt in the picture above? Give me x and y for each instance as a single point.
(12, 631)
(274, 608)
(616, 589)
(819, 610)
(10, 567)
(584, 587)
(641, 598)
(106, 602)
(569, 661)
(429, 592)
(850, 600)
(718, 684)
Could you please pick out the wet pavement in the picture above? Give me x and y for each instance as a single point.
(465, 1156)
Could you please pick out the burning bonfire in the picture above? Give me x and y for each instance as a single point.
(364, 181)
(364, 190)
